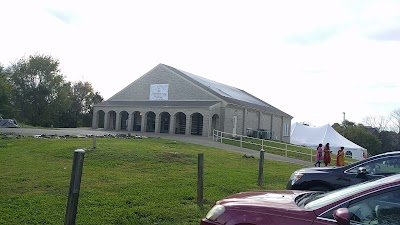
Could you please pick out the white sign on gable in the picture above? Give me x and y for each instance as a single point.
(158, 92)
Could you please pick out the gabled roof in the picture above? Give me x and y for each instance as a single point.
(159, 104)
(227, 93)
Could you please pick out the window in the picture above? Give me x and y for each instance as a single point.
(380, 208)
(332, 196)
(383, 208)
(286, 130)
(380, 166)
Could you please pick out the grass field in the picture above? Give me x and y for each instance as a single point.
(124, 181)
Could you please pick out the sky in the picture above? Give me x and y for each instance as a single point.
(318, 61)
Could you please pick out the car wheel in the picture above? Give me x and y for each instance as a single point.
(319, 188)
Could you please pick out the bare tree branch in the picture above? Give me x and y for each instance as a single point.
(395, 119)
(379, 122)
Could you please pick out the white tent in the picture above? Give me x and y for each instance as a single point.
(312, 136)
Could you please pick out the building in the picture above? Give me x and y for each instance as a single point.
(168, 100)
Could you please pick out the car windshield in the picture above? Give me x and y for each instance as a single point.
(330, 197)
(303, 199)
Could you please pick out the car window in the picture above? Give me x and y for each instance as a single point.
(380, 166)
(382, 208)
(333, 196)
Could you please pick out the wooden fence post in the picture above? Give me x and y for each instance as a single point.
(94, 142)
(200, 171)
(261, 167)
(74, 186)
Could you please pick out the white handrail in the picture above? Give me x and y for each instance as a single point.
(243, 139)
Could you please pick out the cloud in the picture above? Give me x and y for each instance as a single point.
(316, 36)
(66, 16)
(384, 85)
(388, 35)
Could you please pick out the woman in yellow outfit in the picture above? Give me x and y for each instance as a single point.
(340, 157)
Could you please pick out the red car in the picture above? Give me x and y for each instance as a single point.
(373, 202)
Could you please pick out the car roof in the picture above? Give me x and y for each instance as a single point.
(385, 154)
(390, 179)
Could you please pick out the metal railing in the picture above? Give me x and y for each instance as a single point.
(285, 149)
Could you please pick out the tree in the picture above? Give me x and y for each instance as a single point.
(83, 99)
(6, 109)
(359, 135)
(380, 122)
(96, 98)
(395, 118)
(39, 90)
(338, 127)
(389, 141)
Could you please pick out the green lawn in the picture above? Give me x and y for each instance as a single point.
(124, 181)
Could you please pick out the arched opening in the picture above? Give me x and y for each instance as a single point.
(197, 124)
(165, 119)
(137, 121)
(111, 120)
(180, 123)
(150, 122)
(100, 119)
(349, 154)
(215, 122)
(124, 116)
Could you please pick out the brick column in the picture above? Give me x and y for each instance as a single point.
(143, 123)
(157, 125)
(130, 120)
(171, 124)
(95, 120)
(118, 121)
(107, 121)
(188, 125)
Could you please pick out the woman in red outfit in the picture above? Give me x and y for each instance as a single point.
(327, 155)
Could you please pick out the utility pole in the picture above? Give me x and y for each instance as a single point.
(344, 122)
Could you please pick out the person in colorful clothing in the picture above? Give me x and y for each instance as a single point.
(327, 155)
(340, 157)
(318, 156)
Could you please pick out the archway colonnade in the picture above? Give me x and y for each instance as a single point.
(164, 122)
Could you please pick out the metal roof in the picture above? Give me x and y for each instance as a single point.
(227, 93)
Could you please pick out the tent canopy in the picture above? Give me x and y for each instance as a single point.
(313, 136)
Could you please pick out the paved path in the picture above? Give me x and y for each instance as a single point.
(205, 141)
